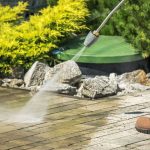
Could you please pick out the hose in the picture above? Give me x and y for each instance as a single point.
(110, 14)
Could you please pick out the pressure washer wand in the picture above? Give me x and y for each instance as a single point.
(93, 36)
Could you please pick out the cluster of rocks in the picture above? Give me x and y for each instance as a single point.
(14, 83)
(66, 78)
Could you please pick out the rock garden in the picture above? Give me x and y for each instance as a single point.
(67, 78)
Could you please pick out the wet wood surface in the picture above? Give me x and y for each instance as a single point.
(75, 124)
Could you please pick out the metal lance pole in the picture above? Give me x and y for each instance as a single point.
(93, 36)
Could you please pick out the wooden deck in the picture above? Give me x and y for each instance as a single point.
(73, 124)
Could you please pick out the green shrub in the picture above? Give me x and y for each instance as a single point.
(52, 2)
(130, 21)
(21, 44)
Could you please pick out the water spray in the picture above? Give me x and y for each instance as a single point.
(94, 35)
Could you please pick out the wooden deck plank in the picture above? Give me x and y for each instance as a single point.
(78, 124)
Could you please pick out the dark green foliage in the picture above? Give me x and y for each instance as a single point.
(33, 5)
(131, 21)
(52, 2)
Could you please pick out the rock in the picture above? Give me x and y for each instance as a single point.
(63, 89)
(17, 83)
(49, 74)
(36, 74)
(33, 89)
(67, 73)
(6, 82)
(99, 86)
(58, 79)
(113, 81)
(55, 87)
(138, 76)
(132, 88)
(148, 75)
(5, 85)
(133, 82)
(139, 87)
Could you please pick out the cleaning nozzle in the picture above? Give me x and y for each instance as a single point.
(91, 38)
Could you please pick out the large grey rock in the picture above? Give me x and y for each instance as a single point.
(58, 79)
(67, 72)
(36, 74)
(99, 86)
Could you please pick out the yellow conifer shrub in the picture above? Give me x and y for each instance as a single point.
(23, 43)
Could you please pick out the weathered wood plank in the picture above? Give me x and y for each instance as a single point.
(79, 124)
